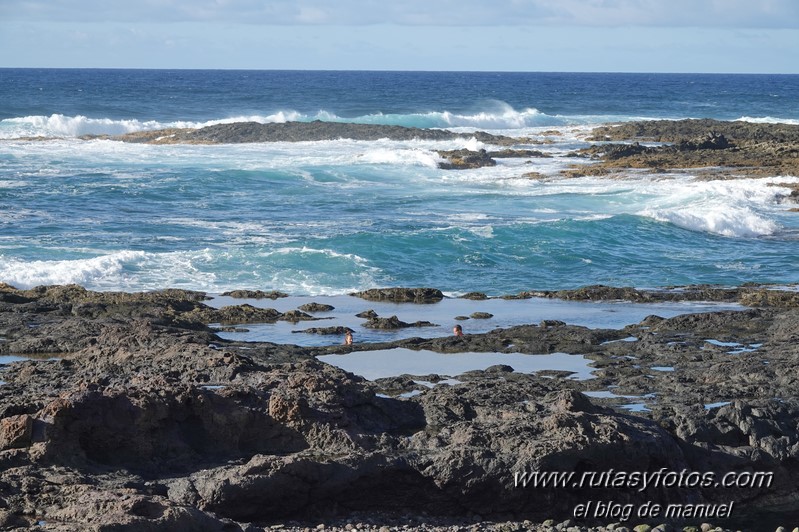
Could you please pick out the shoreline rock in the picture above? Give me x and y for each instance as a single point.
(710, 148)
(148, 419)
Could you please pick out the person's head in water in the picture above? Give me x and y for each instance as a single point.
(457, 330)
(348, 338)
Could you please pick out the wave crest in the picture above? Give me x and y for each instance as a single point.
(768, 120)
(88, 272)
(735, 208)
(731, 222)
(495, 116)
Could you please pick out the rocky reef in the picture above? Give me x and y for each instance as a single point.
(127, 412)
(246, 132)
(249, 132)
(710, 148)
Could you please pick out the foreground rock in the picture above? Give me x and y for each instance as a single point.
(148, 421)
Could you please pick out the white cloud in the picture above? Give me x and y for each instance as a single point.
(662, 13)
(550, 35)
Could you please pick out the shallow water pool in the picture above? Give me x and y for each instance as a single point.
(401, 361)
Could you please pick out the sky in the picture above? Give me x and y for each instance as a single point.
(735, 36)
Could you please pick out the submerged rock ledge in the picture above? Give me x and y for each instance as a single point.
(145, 419)
(244, 132)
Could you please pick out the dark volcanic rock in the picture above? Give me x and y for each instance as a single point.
(709, 141)
(245, 132)
(245, 314)
(295, 316)
(311, 131)
(677, 130)
(512, 154)
(394, 323)
(465, 159)
(712, 149)
(686, 293)
(151, 422)
(617, 151)
(402, 295)
(475, 296)
(255, 294)
(316, 307)
(337, 330)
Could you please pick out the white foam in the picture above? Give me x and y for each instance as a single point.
(58, 125)
(231, 228)
(122, 270)
(733, 208)
(6, 183)
(485, 231)
(87, 272)
(495, 115)
(467, 216)
(768, 120)
(411, 157)
(473, 144)
(725, 221)
(311, 251)
(740, 208)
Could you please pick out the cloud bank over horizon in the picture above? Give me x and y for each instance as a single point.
(624, 35)
(675, 13)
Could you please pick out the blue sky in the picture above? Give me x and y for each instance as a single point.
(522, 35)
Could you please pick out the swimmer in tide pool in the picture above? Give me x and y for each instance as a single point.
(457, 330)
(348, 338)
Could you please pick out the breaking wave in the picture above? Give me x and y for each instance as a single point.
(497, 116)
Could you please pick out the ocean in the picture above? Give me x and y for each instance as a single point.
(328, 218)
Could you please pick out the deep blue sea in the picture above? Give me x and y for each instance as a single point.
(326, 218)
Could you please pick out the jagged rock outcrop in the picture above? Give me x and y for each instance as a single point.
(153, 422)
(465, 159)
(402, 295)
(712, 148)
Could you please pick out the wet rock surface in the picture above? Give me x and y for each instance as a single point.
(146, 420)
(394, 322)
(465, 159)
(255, 294)
(316, 307)
(402, 295)
(245, 132)
(709, 148)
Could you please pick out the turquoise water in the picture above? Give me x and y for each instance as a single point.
(331, 217)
